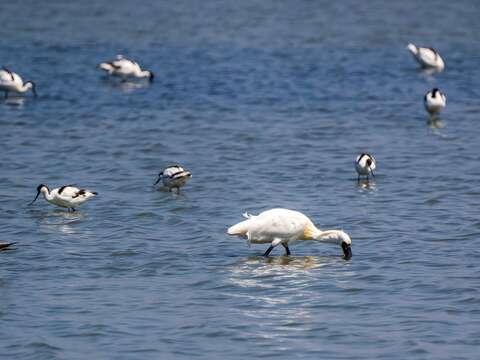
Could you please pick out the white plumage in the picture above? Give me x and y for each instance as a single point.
(434, 101)
(125, 68)
(364, 165)
(174, 177)
(12, 82)
(67, 196)
(283, 226)
(427, 57)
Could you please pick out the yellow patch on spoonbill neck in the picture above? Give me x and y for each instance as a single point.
(309, 232)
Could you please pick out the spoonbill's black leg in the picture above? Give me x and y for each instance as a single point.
(286, 249)
(269, 250)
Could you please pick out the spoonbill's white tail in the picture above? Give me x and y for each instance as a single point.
(240, 229)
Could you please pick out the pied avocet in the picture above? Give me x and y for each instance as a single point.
(174, 177)
(67, 196)
(12, 82)
(125, 68)
(427, 57)
(365, 164)
(434, 101)
(282, 226)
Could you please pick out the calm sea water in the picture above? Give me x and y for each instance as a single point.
(267, 103)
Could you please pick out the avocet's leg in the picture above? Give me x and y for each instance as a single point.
(73, 209)
(6, 94)
(178, 190)
(358, 178)
(269, 250)
(287, 250)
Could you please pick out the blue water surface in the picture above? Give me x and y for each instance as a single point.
(267, 103)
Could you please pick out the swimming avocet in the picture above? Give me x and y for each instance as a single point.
(67, 196)
(12, 82)
(427, 57)
(434, 101)
(282, 226)
(125, 68)
(174, 177)
(365, 164)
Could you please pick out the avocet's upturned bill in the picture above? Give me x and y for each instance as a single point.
(12, 82)
(365, 164)
(283, 226)
(67, 196)
(125, 69)
(427, 57)
(174, 177)
(434, 101)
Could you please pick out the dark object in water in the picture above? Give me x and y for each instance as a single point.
(5, 245)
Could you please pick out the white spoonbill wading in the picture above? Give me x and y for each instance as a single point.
(427, 57)
(125, 68)
(281, 226)
(12, 82)
(67, 196)
(365, 164)
(174, 177)
(434, 101)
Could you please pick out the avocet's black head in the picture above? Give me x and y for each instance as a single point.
(347, 250)
(151, 76)
(434, 92)
(369, 162)
(34, 87)
(39, 190)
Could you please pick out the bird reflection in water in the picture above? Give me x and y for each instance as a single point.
(280, 290)
(61, 221)
(364, 185)
(435, 123)
(125, 86)
(15, 101)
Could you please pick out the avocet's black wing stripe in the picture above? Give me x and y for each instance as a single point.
(79, 193)
(179, 174)
(8, 71)
(361, 157)
(63, 188)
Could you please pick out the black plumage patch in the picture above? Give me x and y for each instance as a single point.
(361, 157)
(63, 188)
(79, 193)
(8, 71)
(179, 174)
